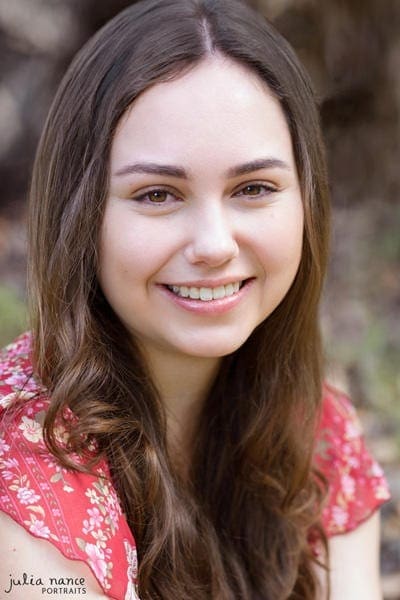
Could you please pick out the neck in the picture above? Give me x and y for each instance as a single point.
(183, 383)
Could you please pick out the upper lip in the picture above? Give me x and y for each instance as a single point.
(208, 283)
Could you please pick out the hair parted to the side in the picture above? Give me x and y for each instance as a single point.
(239, 529)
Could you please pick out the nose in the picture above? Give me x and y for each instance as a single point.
(212, 240)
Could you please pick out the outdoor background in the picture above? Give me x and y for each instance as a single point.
(351, 48)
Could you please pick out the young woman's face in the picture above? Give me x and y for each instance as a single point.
(203, 227)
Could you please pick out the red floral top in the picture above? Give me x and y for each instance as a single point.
(80, 514)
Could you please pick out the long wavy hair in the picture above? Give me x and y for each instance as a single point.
(240, 527)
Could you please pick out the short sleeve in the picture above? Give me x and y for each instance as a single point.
(79, 513)
(356, 482)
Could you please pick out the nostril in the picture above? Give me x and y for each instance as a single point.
(213, 252)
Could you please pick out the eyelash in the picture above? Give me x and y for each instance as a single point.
(268, 189)
(143, 197)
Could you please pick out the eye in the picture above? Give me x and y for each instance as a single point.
(156, 196)
(256, 190)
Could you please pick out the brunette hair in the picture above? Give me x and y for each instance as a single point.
(240, 528)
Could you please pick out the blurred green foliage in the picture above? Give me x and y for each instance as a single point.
(13, 315)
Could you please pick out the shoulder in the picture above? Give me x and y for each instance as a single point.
(356, 483)
(32, 567)
(78, 513)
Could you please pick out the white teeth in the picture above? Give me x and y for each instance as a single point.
(206, 293)
(229, 289)
(194, 293)
(219, 292)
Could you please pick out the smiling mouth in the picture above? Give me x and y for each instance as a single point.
(207, 294)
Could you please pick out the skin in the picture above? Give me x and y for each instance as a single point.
(22, 553)
(208, 229)
(211, 226)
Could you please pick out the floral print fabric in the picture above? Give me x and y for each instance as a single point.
(80, 514)
(357, 485)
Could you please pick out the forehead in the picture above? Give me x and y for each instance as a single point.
(219, 108)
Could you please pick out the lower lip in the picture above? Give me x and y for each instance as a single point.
(209, 307)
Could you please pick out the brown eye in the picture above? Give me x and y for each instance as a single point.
(253, 190)
(256, 190)
(157, 196)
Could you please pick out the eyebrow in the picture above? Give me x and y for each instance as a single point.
(181, 173)
(257, 165)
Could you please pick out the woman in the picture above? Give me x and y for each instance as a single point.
(178, 243)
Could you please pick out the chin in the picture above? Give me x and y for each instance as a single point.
(216, 349)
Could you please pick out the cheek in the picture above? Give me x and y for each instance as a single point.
(118, 251)
(279, 241)
(131, 249)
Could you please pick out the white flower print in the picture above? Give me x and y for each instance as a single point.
(352, 429)
(100, 538)
(95, 517)
(8, 399)
(112, 517)
(376, 470)
(131, 557)
(96, 559)
(11, 463)
(17, 379)
(61, 434)
(353, 462)
(27, 496)
(93, 497)
(39, 528)
(348, 485)
(100, 527)
(59, 473)
(381, 492)
(339, 516)
(3, 447)
(31, 430)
